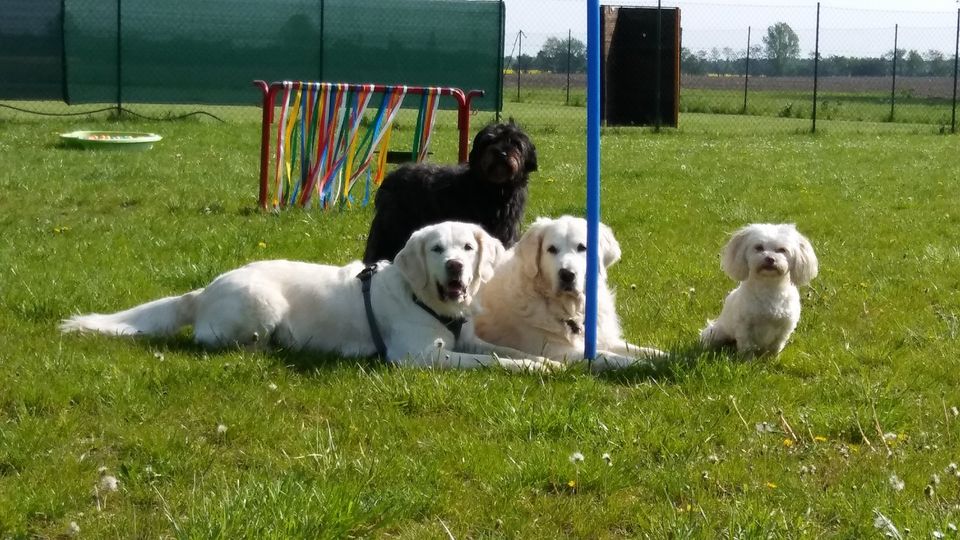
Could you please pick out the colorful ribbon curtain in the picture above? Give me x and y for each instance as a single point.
(324, 145)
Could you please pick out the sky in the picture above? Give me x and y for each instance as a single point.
(848, 27)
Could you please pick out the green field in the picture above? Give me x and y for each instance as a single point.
(283, 445)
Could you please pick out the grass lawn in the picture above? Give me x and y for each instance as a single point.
(281, 445)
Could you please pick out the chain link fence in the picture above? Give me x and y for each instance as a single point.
(795, 67)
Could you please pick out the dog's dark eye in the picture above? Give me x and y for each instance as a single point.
(437, 249)
(758, 248)
(552, 250)
(581, 248)
(468, 247)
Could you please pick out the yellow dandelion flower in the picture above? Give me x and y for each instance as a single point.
(820, 438)
(788, 443)
(572, 484)
(262, 245)
(771, 485)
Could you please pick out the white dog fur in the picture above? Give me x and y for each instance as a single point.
(769, 261)
(312, 307)
(535, 300)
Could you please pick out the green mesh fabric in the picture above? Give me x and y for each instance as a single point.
(144, 51)
(31, 49)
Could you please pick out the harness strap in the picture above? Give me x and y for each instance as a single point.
(452, 324)
(366, 277)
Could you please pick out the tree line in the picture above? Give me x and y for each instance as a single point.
(778, 54)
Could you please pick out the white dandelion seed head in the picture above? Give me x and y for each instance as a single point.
(158, 355)
(889, 436)
(896, 483)
(272, 386)
(884, 525)
(606, 458)
(109, 483)
(221, 429)
(73, 529)
(438, 343)
(937, 534)
(576, 457)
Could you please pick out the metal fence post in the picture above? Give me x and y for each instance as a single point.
(519, 62)
(569, 52)
(659, 76)
(119, 59)
(956, 57)
(893, 87)
(816, 67)
(746, 74)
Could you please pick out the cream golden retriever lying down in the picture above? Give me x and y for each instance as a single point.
(535, 300)
(302, 306)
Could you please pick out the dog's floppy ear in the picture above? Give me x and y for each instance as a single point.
(805, 265)
(412, 261)
(489, 254)
(733, 260)
(527, 250)
(609, 247)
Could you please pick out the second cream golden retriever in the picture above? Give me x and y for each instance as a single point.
(535, 300)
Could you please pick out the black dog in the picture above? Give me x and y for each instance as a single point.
(489, 190)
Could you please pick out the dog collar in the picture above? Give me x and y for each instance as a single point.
(366, 277)
(451, 323)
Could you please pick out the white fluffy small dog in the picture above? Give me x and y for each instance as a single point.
(769, 261)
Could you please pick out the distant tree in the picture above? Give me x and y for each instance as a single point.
(914, 64)
(553, 55)
(937, 64)
(781, 45)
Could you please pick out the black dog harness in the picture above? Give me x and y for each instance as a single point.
(366, 278)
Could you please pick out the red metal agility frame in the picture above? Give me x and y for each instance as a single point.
(269, 91)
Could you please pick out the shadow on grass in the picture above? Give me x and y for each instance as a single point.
(684, 358)
(303, 362)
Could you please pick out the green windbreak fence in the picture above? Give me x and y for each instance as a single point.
(209, 52)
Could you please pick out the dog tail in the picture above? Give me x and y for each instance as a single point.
(162, 317)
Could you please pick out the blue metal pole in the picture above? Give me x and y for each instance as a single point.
(593, 177)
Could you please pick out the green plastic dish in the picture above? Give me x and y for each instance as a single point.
(112, 140)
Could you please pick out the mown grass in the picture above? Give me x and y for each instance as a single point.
(326, 447)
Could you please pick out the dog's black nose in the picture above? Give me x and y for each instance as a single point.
(768, 261)
(566, 276)
(454, 267)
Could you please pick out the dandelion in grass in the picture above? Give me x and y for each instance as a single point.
(896, 483)
(820, 438)
(607, 459)
(73, 529)
(576, 458)
(937, 534)
(771, 485)
(885, 526)
(262, 245)
(788, 443)
(221, 430)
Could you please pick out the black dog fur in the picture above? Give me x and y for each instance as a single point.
(489, 190)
